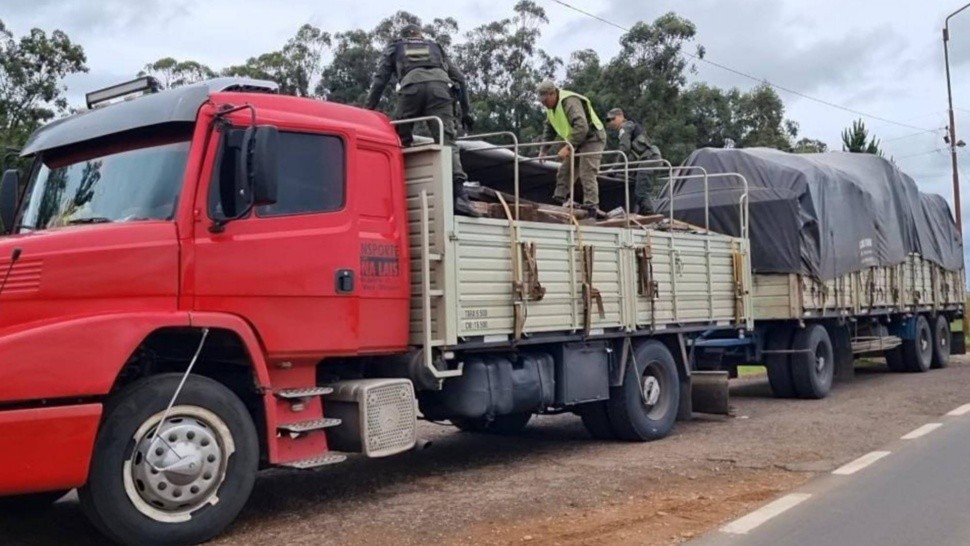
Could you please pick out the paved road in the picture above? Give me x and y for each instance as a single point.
(914, 491)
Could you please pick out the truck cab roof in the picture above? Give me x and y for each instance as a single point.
(181, 105)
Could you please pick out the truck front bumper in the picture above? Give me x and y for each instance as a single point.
(46, 449)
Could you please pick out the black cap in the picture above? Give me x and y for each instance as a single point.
(411, 31)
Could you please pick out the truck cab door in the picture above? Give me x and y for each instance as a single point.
(291, 268)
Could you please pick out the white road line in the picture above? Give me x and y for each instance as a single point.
(860, 463)
(744, 524)
(962, 410)
(921, 431)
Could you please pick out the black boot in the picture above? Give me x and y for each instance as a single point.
(645, 208)
(463, 204)
(592, 212)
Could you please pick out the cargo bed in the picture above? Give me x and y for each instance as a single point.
(481, 281)
(914, 286)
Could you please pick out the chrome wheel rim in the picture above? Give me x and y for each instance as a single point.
(170, 475)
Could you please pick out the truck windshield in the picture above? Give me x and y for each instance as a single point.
(130, 185)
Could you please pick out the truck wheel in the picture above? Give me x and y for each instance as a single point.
(181, 486)
(778, 364)
(918, 352)
(894, 357)
(644, 408)
(596, 419)
(941, 343)
(34, 502)
(813, 367)
(512, 423)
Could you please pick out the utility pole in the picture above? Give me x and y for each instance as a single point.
(953, 128)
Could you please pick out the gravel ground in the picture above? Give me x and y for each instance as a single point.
(554, 485)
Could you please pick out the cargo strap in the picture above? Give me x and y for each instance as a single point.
(737, 260)
(533, 290)
(522, 291)
(590, 293)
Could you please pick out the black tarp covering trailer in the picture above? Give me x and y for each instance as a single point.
(820, 215)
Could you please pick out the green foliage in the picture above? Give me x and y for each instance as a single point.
(503, 64)
(32, 69)
(172, 73)
(856, 139)
(810, 146)
(501, 60)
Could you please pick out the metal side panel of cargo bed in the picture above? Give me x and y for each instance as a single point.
(914, 285)
(489, 280)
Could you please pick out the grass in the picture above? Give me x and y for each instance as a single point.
(745, 371)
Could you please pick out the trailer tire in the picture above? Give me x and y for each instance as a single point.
(512, 423)
(813, 369)
(941, 343)
(645, 407)
(918, 352)
(32, 502)
(133, 499)
(596, 419)
(777, 365)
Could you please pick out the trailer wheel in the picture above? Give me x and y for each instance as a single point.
(941, 343)
(778, 364)
(596, 419)
(183, 485)
(918, 352)
(644, 408)
(33, 502)
(814, 365)
(512, 423)
(894, 357)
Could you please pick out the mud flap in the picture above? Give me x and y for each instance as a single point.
(709, 392)
(958, 343)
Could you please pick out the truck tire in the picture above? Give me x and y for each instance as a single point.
(941, 343)
(596, 419)
(644, 408)
(512, 423)
(136, 494)
(894, 357)
(812, 368)
(33, 502)
(778, 365)
(918, 352)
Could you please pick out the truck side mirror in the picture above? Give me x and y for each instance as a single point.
(9, 186)
(259, 164)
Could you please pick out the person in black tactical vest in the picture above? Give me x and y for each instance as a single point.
(635, 143)
(426, 80)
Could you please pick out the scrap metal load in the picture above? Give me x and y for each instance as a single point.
(819, 215)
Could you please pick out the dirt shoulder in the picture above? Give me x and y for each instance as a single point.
(554, 485)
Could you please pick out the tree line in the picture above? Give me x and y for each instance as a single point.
(502, 60)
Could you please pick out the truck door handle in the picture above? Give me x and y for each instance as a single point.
(344, 281)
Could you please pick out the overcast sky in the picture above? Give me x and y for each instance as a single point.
(882, 57)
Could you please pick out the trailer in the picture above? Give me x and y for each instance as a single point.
(856, 219)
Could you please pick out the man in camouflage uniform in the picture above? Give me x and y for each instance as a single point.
(425, 78)
(635, 143)
(570, 117)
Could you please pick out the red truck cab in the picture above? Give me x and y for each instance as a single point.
(152, 224)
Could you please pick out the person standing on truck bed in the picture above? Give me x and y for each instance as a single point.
(425, 78)
(571, 116)
(635, 143)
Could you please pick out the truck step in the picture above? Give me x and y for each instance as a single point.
(293, 394)
(308, 426)
(316, 462)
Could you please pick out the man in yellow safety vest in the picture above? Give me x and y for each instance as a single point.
(571, 117)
